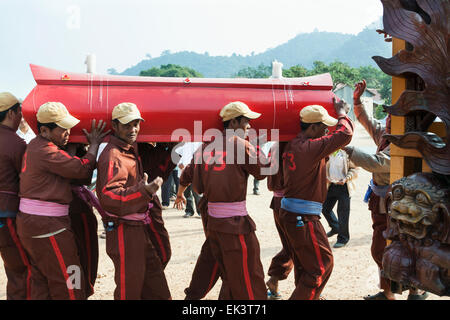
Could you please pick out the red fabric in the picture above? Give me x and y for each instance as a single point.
(160, 243)
(122, 261)
(62, 266)
(245, 268)
(22, 253)
(319, 258)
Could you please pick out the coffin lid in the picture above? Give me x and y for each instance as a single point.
(48, 76)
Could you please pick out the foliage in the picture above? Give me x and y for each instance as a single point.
(340, 72)
(261, 71)
(295, 72)
(379, 113)
(171, 70)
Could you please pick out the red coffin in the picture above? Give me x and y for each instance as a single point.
(168, 104)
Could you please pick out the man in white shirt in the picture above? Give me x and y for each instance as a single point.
(187, 151)
(341, 173)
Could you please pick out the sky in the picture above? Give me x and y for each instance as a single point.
(59, 34)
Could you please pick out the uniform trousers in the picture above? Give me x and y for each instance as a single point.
(235, 247)
(15, 261)
(311, 253)
(51, 245)
(379, 225)
(206, 271)
(281, 264)
(139, 273)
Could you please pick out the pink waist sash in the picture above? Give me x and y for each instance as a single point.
(143, 217)
(278, 194)
(227, 209)
(43, 208)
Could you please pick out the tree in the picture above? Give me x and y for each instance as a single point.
(386, 89)
(343, 73)
(262, 71)
(379, 113)
(297, 71)
(171, 70)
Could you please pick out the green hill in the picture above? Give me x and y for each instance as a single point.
(304, 49)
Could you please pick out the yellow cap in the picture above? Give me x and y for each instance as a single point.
(7, 100)
(126, 112)
(316, 114)
(236, 109)
(57, 113)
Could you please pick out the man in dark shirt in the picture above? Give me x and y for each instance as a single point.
(43, 222)
(305, 189)
(15, 260)
(128, 199)
(222, 179)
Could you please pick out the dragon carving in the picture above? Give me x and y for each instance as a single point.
(419, 228)
(424, 25)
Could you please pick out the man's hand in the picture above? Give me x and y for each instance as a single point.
(342, 182)
(180, 202)
(360, 87)
(181, 166)
(152, 187)
(96, 136)
(339, 107)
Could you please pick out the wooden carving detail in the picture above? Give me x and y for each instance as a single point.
(424, 25)
(419, 228)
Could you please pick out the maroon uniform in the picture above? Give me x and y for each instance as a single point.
(157, 162)
(305, 180)
(44, 226)
(206, 271)
(281, 264)
(379, 165)
(231, 235)
(139, 271)
(85, 227)
(15, 260)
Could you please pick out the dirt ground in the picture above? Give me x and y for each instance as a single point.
(355, 274)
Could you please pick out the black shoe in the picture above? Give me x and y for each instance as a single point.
(256, 193)
(339, 245)
(422, 296)
(378, 296)
(188, 215)
(331, 233)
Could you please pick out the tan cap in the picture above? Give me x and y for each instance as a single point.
(7, 100)
(57, 113)
(316, 114)
(236, 109)
(126, 112)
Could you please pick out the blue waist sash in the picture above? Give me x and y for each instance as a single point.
(380, 191)
(301, 206)
(7, 214)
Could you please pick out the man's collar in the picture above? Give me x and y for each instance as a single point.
(122, 144)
